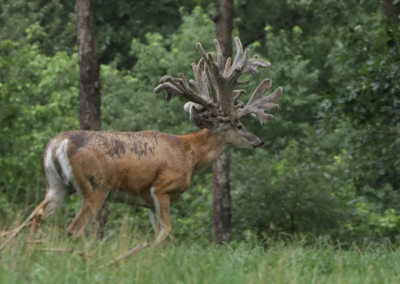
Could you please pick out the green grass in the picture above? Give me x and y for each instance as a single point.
(191, 262)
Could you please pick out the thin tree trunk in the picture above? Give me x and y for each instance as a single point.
(390, 11)
(89, 81)
(89, 85)
(222, 209)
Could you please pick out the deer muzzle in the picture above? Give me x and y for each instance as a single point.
(258, 145)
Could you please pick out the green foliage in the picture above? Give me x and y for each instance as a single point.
(117, 23)
(54, 17)
(293, 73)
(120, 22)
(192, 215)
(365, 63)
(363, 101)
(38, 98)
(301, 190)
(156, 58)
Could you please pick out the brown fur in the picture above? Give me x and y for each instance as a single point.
(148, 168)
(132, 163)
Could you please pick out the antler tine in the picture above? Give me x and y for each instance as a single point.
(194, 84)
(166, 78)
(239, 53)
(242, 83)
(259, 63)
(237, 94)
(243, 64)
(223, 88)
(210, 61)
(169, 88)
(180, 87)
(213, 90)
(184, 80)
(258, 103)
(227, 66)
(252, 65)
(220, 57)
(190, 94)
(200, 84)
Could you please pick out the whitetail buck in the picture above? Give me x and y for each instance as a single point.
(153, 169)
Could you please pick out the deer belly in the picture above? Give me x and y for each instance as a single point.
(118, 196)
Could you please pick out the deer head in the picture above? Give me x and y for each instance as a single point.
(216, 104)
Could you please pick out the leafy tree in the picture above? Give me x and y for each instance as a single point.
(117, 22)
(38, 99)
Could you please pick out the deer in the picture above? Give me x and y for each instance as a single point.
(149, 168)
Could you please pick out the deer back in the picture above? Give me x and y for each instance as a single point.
(124, 161)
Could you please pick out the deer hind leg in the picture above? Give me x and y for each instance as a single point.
(56, 194)
(37, 221)
(153, 219)
(90, 206)
(162, 215)
(59, 179)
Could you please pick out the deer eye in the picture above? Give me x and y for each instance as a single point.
(240, 126)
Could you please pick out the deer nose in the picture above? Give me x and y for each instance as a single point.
(258, 145)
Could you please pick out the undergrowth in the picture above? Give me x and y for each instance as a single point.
(193, 261)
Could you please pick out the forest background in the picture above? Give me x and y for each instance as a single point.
(330, 166)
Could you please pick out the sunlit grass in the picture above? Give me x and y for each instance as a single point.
(297, 261)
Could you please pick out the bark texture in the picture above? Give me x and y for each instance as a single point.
(222, 209)
(89, 83)
(223, 19)
(390, 11)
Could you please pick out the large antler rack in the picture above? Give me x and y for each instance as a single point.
(216, 100)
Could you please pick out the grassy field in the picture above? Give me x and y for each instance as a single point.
(191, 262)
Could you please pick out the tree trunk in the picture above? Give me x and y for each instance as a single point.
(222, 209)
(390, 11)
(89, 84)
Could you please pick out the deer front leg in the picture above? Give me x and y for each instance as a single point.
(153, 215)
(162, 216)
(90, 205)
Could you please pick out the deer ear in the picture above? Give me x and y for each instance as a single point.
(202, 122)
(208, 124)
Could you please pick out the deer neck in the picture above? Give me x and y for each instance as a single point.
(205, 146)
